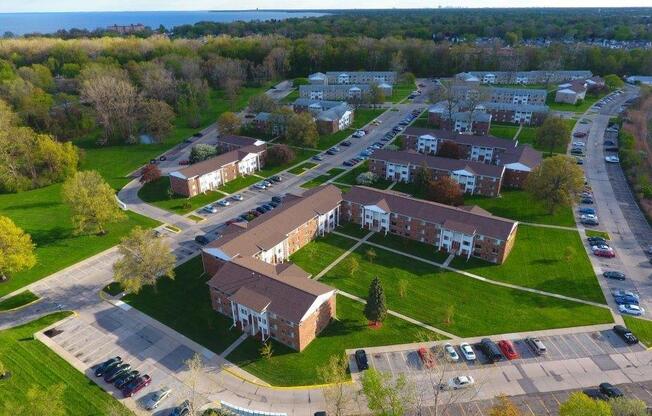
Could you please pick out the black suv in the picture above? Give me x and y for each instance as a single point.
(610, 390)
(361, 360)
(625, 334)
(491, 350)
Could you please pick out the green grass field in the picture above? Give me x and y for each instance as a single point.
(402, 90)
(596, 233)
(32, 364)
(406, 245)
(318, 254)
(503, 131)
(184, 305)
(42, 214)
(479, 308)
(321, 179)
(299, 156)
(302, 168)
(287, 367)
(23, 298)
(642, 328)
(580, 107)
(546, 259)
(156, 193)
(521, 206)
(362, 117)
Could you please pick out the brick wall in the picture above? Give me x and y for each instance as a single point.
(182, 186)
(315, 323)
(211, 263)
(514, 178)
(302, 235)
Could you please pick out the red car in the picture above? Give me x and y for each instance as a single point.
(579, 134)
(184, 162)
(604, 252)
(508, 350)
(426, 357)
(136, 385)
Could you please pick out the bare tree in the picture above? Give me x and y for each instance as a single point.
(195, 370)
(450, 97)
(159, 83)
(339, 396)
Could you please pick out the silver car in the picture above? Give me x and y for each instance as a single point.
(156, 398)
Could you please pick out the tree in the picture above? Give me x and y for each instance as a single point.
(511, 38)
(376, 95)
(422, 176)
(445, 191)
(553, 133)
(504, 407)
(92, 203)
(228, 123)
(387, 396)
(262, 103)
(333, 373)
(202, 151)
(376, 308)
(450, 150)
(195, 366)
(192, 97)
(150, 173)
(371, 255)
(156, 117)
(145, 258)
(16, 249)
(302, 130)
(279, 155)
(624, 406)
(159, 84)
(613, 81)
(579, 404)
(266, 350)
(556, 182)
(354, 266)
(366, 178)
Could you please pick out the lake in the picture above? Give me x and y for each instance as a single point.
(22, 23)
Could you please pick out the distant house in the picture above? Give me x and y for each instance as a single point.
(460, 121)
(270, 123)
(126, 29)
(531, 114)
(571, 92)
(212, 173)
(639, 79)
(347, 86)
(595, 83)
(330, 116)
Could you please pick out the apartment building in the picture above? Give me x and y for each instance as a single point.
(571, 92)
(522, 77)
(478, 122)
(462, 231)
(215, 172)
(529, 114)
(500, 95)
(354, 77)
(252, 280)
(474, 178)
(270, 123)
(343, 92)
(330, 116)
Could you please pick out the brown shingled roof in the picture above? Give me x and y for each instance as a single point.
(524, 154)
(235, 140)
(399, 203)
(439, 163)
(217, 162)
(468, 139)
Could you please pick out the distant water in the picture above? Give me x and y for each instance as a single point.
(22, 23)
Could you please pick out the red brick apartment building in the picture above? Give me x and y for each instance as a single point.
(463, 231)
(475, 178)
(518, 160)
(215, 172)
(253, 283)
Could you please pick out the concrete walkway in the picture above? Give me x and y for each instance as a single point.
(343, 256)
(556, 227)
(235, 345)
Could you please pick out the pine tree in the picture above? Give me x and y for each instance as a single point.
(376, 308)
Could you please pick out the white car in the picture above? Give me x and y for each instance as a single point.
(156, 399)
(579, 143)
(459, 382)
(224, 202)
(612, 159)
(467, 351)
(210, 209)
(588, 217)
(451, 354)
(237, 197)
(260, 186)
(631, 309)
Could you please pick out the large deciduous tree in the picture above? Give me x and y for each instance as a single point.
(333, 373)
(626, 406)
(145, 258)
(92, 203)
(579, 404)
(445, 191)
(553, 134)
(376, 308)
(202, 151)
(16, 249)
(302, 130)
(387, 396)
(422, 176)
(156, 117)
(262, 103)
(556, 182)
(279, 155)
(150, 173)
(228, 123)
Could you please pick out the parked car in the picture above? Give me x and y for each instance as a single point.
(613, 274)
(610, 390)
(261, 210)
(111, 375)
(346, 143)
(622, 292)
(260, 186)
(508, 350)
(276, 178)
(589, 221)
(267, 183)
(361, 360)
(347, 163)
(100, 369)
(536, 345)
(198, 134)
(459, 382)
(162, 158)
(491, 350)
(426, 357)
(612, 159)
(318, 158)
(156, 398)
(626, 300)
(202, 239)
(331, 152)
(587, 211)
(136, 385)
(209, 209)
(595, 394)
(450, 352)
(125, 378)
(602, 252)
(631, 309)
(625, 334)
(467, 351)
(237, 197)
(609, 143)
(277, 199)
(224, 202)
(579, 160)
(579, 134)
(596, 240)
(182, 410)
(586, 200)
(109, 368)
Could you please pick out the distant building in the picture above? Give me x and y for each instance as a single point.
(522, 77)
(460, 121)
(270, 123)
(571, 92)
(531, 114)
(334, 92)
(347, 86)
(353, 77)
(126, 29)
(639, 79)
(330, 116)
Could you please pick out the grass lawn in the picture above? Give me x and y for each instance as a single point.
(580, 107)
(545, 259)
(290, 368)
(299, 156)
(195, 218)
(401, 90)
(42, 214)
(521, 206)
(156, 193)
(184, 305)
(344, 188)
(503, 131)
(316, 255)
(321, 179)
(595, 233)
(406, 245)
(239, 183)
(642, 328)
(479, 308)
(291, 97)
(32, 364)
(302, 168)
(362, 117)
(113, 289)
(21, 299)
(354, 230)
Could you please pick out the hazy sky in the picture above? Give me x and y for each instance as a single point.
(139, 5)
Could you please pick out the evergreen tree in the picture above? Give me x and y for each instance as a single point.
(376, 308)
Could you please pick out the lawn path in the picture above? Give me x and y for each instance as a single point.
(344, 255)
(235, 345)
(480, 278)
(557, 227)
(401, 316)
(520, 127)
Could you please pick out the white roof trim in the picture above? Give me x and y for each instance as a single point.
(178, 174)
(320, 300)
(215, 252)
(518, 166)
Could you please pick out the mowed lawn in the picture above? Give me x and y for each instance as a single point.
(43, 215)
(319, 253)
(32, 364)
(479, 308)
(287, 367)
(503, 131)
(156, 193)
(520, 205)
(642, 328)
(546, 259)
(183, 304)
(23, 298)
(361, 118)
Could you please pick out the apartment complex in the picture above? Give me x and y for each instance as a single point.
(476, 122)
(343, 92)
(571, 92)
(518, 160)
(510, 105)
(475, 178)
(531, 114)
(330, 116)
(354, 77)
(252, 281)
(522, 77)
(347, 86)
(462, 231)
(215, 172)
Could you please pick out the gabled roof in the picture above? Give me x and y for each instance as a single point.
(523, 154)
(435, 162)
(217, 162)
(235, 140)
(398, 203)
(334, 113)
(467, 139)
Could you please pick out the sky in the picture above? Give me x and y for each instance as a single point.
(11, 6)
